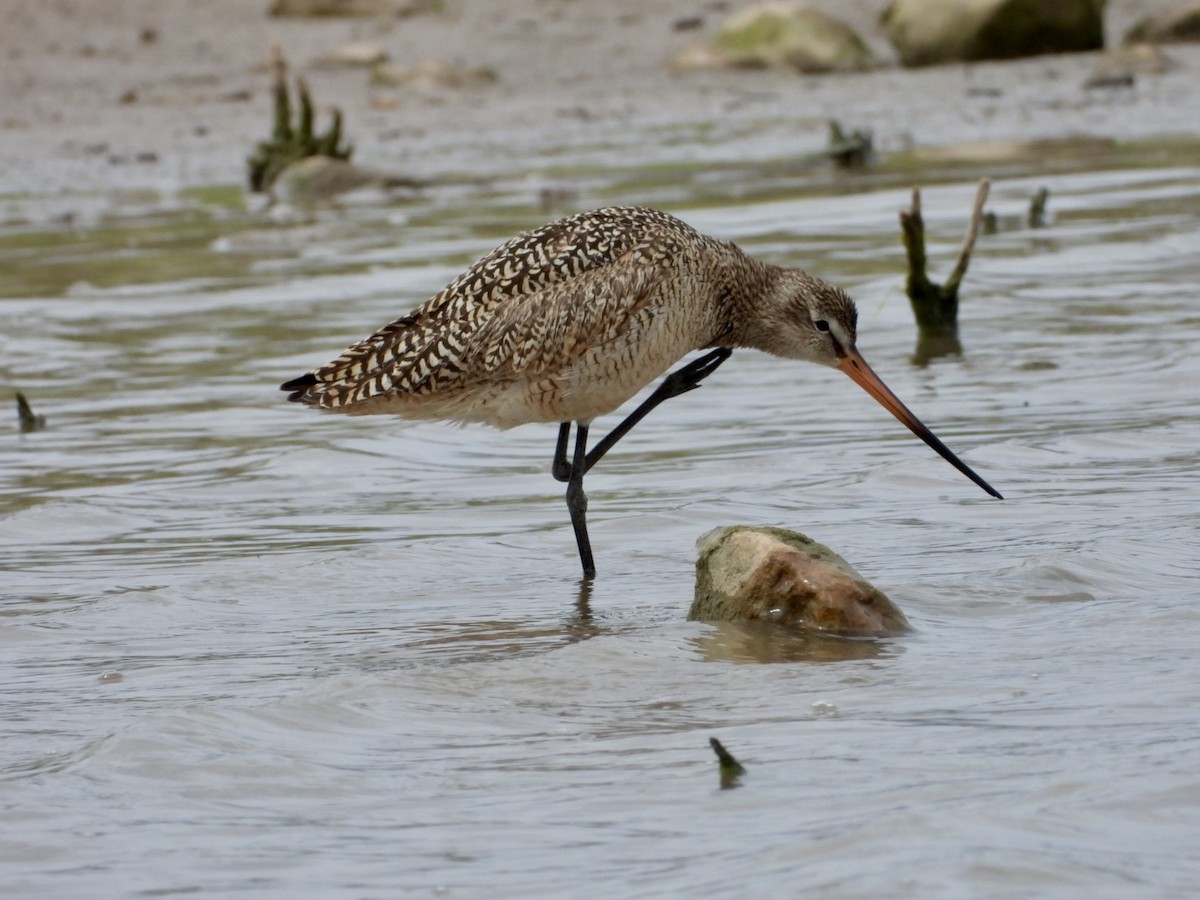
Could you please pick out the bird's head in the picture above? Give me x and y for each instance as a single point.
(808, 319)
(812, 320)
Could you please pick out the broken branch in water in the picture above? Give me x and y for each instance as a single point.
(1037, 208)
(935, 306)
(27, 419)
(731, 770)
(853, 150)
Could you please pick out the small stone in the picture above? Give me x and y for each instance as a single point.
(1109, 80)
(1131, 60)
(695, 58)
(356, 53)
(746, 573)
(316, 180)
(433, 73)
(1179, 24)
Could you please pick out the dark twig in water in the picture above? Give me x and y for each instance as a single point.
(27, 419)
(1037, 208)
(731, 770)
(855, 150)
(935, 306)
(289, 143)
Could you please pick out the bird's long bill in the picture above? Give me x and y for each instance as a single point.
(856, 367)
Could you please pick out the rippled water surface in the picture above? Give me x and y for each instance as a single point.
(247, 650)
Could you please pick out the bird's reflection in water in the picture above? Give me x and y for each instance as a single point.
(583, 603)
(761, 642)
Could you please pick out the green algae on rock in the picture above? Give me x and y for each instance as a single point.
(791, 35)
(751, 573)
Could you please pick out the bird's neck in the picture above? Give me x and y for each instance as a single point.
(739, 294)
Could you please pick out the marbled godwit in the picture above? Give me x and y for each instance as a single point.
(568, 321)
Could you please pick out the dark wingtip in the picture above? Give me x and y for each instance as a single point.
(299, 386)
(308, 379)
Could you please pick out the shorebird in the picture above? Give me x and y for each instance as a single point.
(567, 322)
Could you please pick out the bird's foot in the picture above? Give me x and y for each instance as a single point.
(688, 377)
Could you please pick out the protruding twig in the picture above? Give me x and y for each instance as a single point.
(282, 132)
(969, 238)
(27, 419)
(731, 770)
(304, 127)
(850, 151)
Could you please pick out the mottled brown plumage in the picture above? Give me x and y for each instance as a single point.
(566, 322)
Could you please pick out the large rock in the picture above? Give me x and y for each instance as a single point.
(1180, 23)
(926, 32)
(769, 574)
(790, 35)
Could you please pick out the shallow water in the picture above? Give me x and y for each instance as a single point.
(250, 650)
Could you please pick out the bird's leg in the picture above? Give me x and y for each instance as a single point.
(561, 468)
(577, 500)
(684, 379)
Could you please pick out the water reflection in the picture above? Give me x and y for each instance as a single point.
(931, 347)
(762, 642)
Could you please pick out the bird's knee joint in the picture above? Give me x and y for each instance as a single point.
(576, 498)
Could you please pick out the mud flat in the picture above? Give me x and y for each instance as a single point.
(128, 95)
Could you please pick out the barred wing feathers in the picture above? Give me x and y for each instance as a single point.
(527, 309)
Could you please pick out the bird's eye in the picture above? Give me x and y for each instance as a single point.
(822, 325)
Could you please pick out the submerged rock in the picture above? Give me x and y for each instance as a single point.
(1180, 23)
(749, 573)
(315, 180)
(927, 32)
(790, 35)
